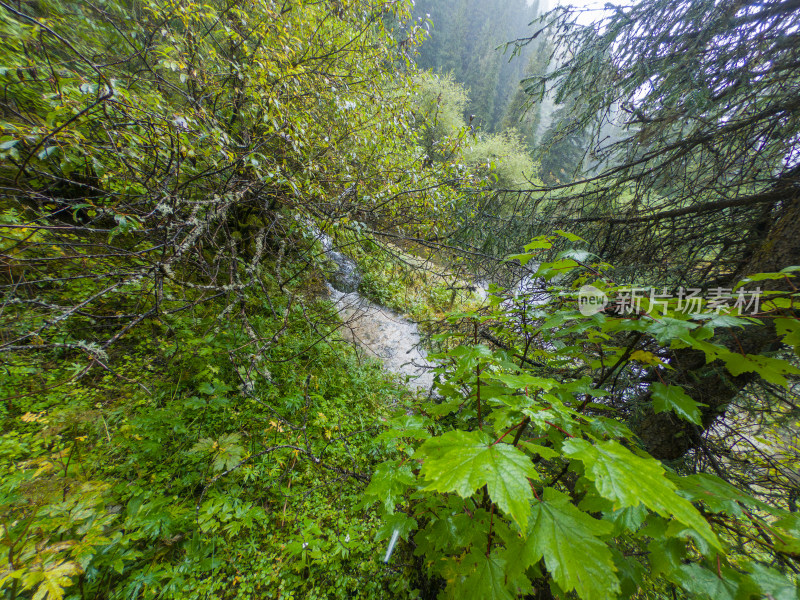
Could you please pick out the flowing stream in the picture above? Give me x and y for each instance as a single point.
(380, 332)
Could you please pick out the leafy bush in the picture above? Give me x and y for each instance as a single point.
(522, 478)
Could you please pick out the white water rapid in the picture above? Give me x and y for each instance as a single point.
(380, 332)
(385, 335)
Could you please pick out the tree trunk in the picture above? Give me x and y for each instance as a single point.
(665, 435)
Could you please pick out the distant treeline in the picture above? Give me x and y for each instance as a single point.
(465, 40)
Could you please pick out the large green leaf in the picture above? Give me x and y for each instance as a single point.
(389, 482)
(467, 357)
(790, 330)
(716, 494)
(461, 462)
(487, 581)
(704, 584)
(523, 259)
(770, 581)
(631, 573)
(566, 538)
(629, 480)
(570, 236)
(407, 426)
(399, 522)
(770, 369)
(672, 397)
(230, 452)
(788, 540)
(519, 382)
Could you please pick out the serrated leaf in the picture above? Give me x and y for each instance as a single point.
(487, 580)
(444, 408)
(456, 527)
(789, 538)
(467, 358)
(677, 530)
(761, 277)
(566, 538)
(461, 462)
(389, 482)
(206, 388)
(702, 583)
(609, 428)
(556, 268)
(770, 369)
(673, 398)
(647, 358)
(722, 320)
(718, 495)
(666, 329)
(631, 573)
(543, 451)
(399, 522)
(203, 445)
(629, 518)
(523, 259)
(520, 382)
(629, 480)
(769, 581)
(229, 452)
(583, 386)
(790, 330)
(540, 243)
(54, 579)
(577, 254)
(407, 426)
(665, 555)
(570, 236)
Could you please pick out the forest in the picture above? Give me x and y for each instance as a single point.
(399, 299)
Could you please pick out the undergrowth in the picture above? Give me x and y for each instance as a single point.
(166, 477)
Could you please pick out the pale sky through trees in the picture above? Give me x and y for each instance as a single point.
(594, 8)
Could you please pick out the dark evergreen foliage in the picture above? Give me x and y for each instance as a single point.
(467, 39)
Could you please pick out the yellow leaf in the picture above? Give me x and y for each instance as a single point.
(30, 417)
(646, 357)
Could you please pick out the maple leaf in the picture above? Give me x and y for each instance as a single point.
(462, 462)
